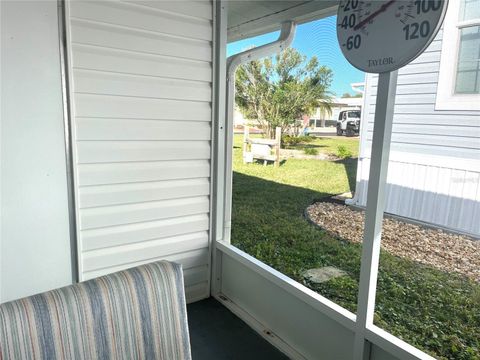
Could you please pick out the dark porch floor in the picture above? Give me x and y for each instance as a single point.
(217, 334)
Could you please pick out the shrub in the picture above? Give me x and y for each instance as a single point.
(310, 151)
(288, 141)
(291, 141)
(306, 138)
(343, 152)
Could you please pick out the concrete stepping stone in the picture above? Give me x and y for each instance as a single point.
(323, 274)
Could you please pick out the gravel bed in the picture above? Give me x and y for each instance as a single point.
(445, 251)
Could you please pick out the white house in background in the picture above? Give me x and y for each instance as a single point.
(319, 119)
(238, 118)
(322, 118)
(339, 104)
(434, 170)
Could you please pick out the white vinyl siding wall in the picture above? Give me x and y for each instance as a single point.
(434, 169)
(141, 91)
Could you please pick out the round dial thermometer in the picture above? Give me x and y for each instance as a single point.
(384, 35)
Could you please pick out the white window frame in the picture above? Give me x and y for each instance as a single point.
(446, 98)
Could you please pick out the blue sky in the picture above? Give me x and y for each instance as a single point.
(317, 38)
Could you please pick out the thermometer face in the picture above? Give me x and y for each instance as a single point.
(384, 35)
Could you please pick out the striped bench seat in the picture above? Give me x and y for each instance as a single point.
(139, 313)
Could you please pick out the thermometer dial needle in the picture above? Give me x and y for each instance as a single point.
(374, 15)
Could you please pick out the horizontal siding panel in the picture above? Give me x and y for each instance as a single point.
(197, 8)
(414, 99)
(408, 79)
(429, 149)
(114, 256)
(434, 119)
(132, 233)
(420, 109)
(419, 68)
(410, 89)
(121, 151)
(411, 99)
(84, 32)
(94, 82)
(130, 129)
(105, 195)
(98, 174)
(425, 129)
(426, 57)
(121, 61)
(439, 118)
(429, 139)
(133, 213)
(122, 107)
(439, 35)
(435, 46)
(188, 260)
(138, 17)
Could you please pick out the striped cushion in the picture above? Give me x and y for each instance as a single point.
(138, 313)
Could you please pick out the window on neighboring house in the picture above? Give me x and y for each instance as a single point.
(459, 78)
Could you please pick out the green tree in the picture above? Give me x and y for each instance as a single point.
(277, 92)
(348, 95)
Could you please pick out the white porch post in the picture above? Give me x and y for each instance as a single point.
(218, 141)
(382, 131)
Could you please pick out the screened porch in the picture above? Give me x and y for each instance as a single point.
(117, 140)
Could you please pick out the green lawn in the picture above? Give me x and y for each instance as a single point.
(433, 310)
(330, 144)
